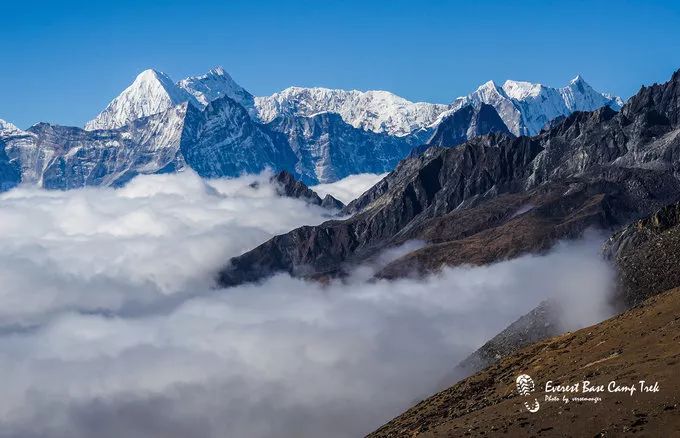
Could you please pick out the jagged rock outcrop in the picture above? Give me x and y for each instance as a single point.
(10, 174)
(287, 185)
(594, 169)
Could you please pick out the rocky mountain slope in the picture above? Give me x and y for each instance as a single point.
(496, 197)
(640, 344)
(222, 140)
(465, 124)
(328, 149)
(10, 174)
(59, 157)
(646, 253)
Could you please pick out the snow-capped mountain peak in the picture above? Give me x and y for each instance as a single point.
(580, 96)
(526, 107)
(377, 111)
(7, 129)
(151, 92)
(215, 84)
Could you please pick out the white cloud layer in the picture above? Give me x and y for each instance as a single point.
(349, 188)
(110, 327)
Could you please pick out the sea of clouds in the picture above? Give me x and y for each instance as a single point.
(110, 324)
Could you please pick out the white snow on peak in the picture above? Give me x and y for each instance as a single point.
(521, 90)
(7, 129)
(151, 92)
(215, 84)
(526, 107)
(579, 96)
(377, 111)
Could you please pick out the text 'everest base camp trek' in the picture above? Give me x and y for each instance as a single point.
(504, 171)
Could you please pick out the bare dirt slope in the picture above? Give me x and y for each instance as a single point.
(640, 344)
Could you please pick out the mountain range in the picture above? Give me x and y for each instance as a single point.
(213, 125)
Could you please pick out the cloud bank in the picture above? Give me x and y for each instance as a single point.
(349, 188)
(110, 325)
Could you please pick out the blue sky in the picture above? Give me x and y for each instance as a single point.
(63, 61)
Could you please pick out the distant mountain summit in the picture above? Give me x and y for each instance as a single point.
(526, 108)
(216, 84)
(152, 92)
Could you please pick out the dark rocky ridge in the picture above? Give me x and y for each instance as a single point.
(10, 173)
(288, 186)
(599, 169)
(540, 323)
(465, 124)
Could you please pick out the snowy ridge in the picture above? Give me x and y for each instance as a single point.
(376, 111)
(215, 84)
(7, 129)
(527, 107)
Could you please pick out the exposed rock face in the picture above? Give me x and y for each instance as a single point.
(328, 148)
(10, 174)
(645, 254)
(466, 123)
(222, 140)
(594, 169)
(288, 186)
(540, 323)
(59, 157)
